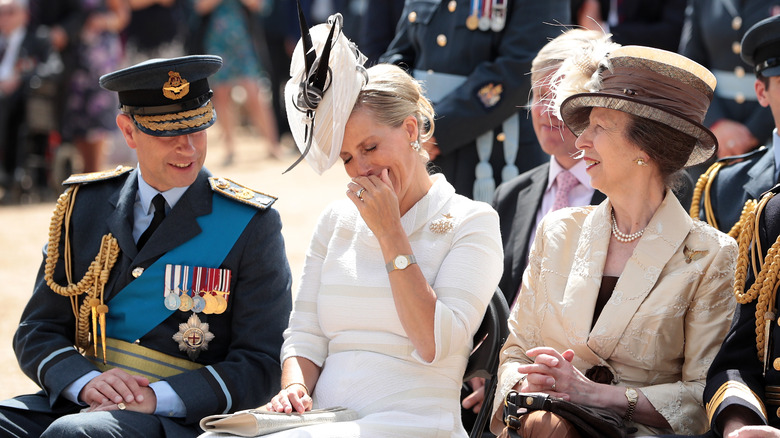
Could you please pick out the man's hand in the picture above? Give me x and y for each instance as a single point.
(147, 406)
(116, 386)
(474, 400)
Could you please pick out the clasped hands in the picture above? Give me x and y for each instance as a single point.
(551, 373)
(116, 389)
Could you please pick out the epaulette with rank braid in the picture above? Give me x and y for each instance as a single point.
(85, 178)
(765, 270)
(240, 193)
(704, 186)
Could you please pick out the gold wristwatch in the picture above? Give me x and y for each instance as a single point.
(400, 262)
(632, 397)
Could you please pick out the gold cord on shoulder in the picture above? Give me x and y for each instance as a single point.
(765, 284)
(93, 282)
(703, 187)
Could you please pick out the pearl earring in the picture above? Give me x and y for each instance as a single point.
(416, 145)
(640, 162)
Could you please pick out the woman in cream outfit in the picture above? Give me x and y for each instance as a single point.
(372, 329)
(624, 305)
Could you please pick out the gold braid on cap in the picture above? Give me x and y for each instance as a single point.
(163, 122)
(93, 282)
(703, 188)
(765, 285)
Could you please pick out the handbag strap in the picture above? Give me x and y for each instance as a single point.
(527, 401)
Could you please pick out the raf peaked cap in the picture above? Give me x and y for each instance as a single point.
(761, 46)
(167, 97)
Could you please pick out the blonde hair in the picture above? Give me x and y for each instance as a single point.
(391, 95)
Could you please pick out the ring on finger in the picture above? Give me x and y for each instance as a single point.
(360, 193)
(121, 406)
(553, 386)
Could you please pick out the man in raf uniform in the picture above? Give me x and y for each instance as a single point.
(176, 282)
(473, 58)
(723, 190)
(743, 383)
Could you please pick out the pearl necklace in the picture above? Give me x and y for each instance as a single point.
(622, 237)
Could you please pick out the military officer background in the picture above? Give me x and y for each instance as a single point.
(187, 284)
(711, 36)
(474, 63)
(732, 181)
(743, 383)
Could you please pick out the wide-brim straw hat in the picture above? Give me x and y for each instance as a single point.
(653, 84)
(325, 111)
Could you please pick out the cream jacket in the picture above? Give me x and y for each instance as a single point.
(662, 326)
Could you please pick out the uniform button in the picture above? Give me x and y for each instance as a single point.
(776, 364)
(739, 71)
(138, 271)
(736, 47)
(412, 17)
(736, 23)
(778, 412)
(501, 136)
(739, 98)
(441, 40)
(452, 5)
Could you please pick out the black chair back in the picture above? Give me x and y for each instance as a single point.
(484, 358)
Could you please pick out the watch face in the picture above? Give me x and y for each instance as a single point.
(401, 262)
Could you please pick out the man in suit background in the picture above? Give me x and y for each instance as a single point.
(181, 313)
(561, 182)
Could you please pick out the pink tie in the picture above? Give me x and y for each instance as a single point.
(565, 181)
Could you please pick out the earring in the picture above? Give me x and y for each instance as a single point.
(416, 145)
(640, 162)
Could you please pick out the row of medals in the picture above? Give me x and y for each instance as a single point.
(209, 300)
(494, 18)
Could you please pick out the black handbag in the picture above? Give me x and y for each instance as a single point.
(589, 421)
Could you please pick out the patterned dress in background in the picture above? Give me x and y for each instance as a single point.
(228, 36)
(91, 109)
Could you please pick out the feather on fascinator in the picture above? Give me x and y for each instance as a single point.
(646, 82)
(326, 76)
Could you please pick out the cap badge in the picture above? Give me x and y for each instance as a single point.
(176, 87)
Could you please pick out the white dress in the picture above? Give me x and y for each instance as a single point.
(344, 318)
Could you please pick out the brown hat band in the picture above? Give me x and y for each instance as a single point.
(646, 86)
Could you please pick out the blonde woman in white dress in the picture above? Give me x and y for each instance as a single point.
(398, 274)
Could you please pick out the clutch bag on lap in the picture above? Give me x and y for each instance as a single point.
(254, 422)
(590, 422)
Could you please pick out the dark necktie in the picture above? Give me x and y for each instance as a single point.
(159, 214)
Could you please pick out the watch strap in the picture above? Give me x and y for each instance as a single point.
(632, 400)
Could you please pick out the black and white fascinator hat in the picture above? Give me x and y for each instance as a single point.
(326, 76)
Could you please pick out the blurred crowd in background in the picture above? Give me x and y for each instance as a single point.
(55, 119)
